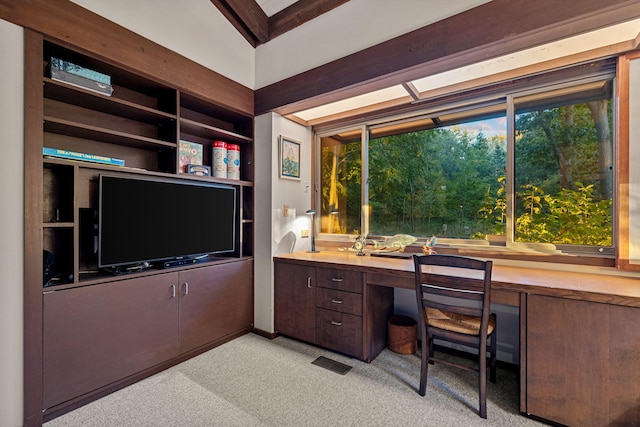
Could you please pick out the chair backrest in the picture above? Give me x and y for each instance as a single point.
(455, 284)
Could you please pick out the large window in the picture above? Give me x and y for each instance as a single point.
(533, 166)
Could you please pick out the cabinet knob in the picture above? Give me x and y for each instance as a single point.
(173, 291)
(186, 288)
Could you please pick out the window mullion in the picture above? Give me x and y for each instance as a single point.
(511, 177)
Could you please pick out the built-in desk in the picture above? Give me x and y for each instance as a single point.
(579, 332)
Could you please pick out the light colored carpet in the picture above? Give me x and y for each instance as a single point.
(254, 381)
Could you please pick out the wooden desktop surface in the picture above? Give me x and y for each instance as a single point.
(507, 281)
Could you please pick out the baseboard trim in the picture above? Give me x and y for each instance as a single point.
(265, 334)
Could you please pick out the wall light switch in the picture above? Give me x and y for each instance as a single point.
(285, 211)
(304, 233)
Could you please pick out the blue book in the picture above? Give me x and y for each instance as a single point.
(73, 155)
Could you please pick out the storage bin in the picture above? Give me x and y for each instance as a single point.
(402, 334)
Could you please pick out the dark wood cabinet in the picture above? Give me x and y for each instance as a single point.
(295, 301)
(215, 303)
(583, 362)
(94, 331)
(97, 335)
(326, 306)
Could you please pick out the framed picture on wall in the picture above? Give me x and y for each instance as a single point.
(289, 158)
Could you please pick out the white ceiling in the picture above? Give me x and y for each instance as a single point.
(271, 7)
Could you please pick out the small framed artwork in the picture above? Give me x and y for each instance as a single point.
(289, 158)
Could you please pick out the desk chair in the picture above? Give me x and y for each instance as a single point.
(453, 305)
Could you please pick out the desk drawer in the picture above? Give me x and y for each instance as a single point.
(344, 280)
(339, 331)
(344, 302)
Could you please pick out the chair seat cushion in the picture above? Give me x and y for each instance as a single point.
(456, 322)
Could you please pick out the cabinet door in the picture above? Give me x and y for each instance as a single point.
(99, 334)
(583, 362)
(295, 301)
(216, 302)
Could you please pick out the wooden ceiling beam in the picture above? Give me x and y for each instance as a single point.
(493, 29)
(298, 13)
(247, 17)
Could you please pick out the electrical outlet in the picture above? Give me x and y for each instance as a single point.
(304, 233)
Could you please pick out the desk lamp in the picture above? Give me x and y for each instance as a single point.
(313, 213)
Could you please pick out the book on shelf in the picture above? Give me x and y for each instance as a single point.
(75, 75)
(74, 155)
(190, 154)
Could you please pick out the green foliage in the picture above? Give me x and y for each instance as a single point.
(451, 182)
(572, 217)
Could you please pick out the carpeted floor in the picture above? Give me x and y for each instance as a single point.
(254, 381)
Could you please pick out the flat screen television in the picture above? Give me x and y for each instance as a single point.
(143, 220)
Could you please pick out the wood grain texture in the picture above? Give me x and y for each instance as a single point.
(582, 362)
(97, 36)
(597, 286)
(33, 211)
(298, 13)
(490, 30)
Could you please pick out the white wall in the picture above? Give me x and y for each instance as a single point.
(347, 29)
(271, 194)
(11, 222)
(192, 28)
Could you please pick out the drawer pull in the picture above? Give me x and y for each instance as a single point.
(336, 279)
(336, 301)
(173, 291)
(309, 282)
(334, 323)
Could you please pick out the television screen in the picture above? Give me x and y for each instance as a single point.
(146, 220)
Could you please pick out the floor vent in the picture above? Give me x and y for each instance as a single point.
(332, 365)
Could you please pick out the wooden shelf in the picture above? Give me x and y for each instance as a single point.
(211, 132)
(106, 104)
(80, 130)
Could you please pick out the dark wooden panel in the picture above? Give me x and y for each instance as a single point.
(490, 30)
(583, 362)
(97, 335)
(295, 301)
(378, 306)
(108, 41)
(344, 302)
(338, 331)
(33, 210)
(624, 366)
(219, 303)
(345, 280)
(298, 13)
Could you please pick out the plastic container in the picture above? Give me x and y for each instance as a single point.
(219, 159)
(233, 161)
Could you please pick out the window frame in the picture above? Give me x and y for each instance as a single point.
(571, 77)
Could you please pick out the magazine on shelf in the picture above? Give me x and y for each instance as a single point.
(74, 155)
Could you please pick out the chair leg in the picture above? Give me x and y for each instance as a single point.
(482, 385)
(431, 351)
(424, 366)
(492, 351)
